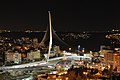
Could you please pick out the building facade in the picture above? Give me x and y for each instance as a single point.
(113, 59)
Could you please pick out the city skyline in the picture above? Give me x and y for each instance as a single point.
(66, 15)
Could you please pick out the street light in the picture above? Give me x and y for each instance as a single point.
(85, 73)
(83, 50)
(78, 48)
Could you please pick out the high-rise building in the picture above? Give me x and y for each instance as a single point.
(112, 59)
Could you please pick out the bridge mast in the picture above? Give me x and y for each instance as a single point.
(50, 43)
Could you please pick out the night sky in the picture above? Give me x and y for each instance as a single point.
(67, 15)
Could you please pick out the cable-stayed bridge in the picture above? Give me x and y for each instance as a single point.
(51, 37)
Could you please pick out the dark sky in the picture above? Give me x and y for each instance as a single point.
(67, 15)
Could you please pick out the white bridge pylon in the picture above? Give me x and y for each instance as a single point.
(50, 43)
(51, 34)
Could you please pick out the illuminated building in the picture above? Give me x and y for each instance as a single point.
(104, 49)
(113, 59)
(33, 55)
(9, 56)
(13, 57)
(30, 56)
(36, 54)
(17, 58)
